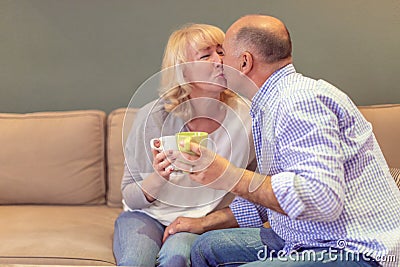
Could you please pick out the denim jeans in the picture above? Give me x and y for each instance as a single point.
(260, 247)
(228, 247)
(138, 242)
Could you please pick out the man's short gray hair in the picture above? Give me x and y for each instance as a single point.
(269, 45)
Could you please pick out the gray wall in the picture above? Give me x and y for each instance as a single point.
(93, 54)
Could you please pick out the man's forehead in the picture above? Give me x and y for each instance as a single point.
(227, 41)
(224, 46)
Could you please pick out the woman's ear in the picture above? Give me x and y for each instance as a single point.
(246, 62)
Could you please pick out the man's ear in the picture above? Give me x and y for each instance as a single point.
(246, 62)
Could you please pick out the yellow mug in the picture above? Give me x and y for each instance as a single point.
(187, 137)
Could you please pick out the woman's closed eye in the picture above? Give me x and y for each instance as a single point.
(203, 57)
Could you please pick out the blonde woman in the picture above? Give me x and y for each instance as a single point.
(193, 98)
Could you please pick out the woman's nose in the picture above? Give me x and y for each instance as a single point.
(217, 58)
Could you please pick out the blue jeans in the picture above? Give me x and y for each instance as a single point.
(260, 247)
(138, 242)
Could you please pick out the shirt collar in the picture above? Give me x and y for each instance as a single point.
(259, 99)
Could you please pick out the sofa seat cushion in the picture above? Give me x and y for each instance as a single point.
(52, 158)
(57, 235)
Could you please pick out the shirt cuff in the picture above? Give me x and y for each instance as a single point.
(284, 190)
(245, 213)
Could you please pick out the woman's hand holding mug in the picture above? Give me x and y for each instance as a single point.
(162, 155)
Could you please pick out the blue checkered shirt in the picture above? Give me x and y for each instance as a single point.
(327, 170)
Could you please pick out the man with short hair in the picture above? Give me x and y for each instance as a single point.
(323, 183)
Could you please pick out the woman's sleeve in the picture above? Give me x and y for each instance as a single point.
(138, 161)
(132, 192)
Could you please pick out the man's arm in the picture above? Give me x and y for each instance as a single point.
(218, 219)
(249, 185)
(262, 194)
(311, 185)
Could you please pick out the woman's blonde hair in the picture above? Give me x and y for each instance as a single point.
(198, 36)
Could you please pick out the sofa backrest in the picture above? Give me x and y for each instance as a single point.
(59, 157)
(52, 158)
(385, 120)
(115, 155)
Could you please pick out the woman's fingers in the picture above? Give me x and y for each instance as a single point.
(162, 164)
(167, 161)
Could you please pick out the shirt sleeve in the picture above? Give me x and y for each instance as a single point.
(248, 214)
(138, 158)
(133, 196)
(311, 185)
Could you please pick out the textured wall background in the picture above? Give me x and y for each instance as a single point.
(93, 54)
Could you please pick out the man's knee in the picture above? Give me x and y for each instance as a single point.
(204, 243)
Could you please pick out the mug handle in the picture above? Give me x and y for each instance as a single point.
(153, 146)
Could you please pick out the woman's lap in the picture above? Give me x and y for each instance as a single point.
(137, 239)
(138, 242)
(176, 250)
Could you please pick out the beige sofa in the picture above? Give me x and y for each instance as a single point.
(60, 176)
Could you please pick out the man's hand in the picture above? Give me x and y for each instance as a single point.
(208, 168)
(184, 224)
(212, 170)
(219, 219)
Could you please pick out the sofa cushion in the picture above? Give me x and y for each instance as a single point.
(57, 235)
(52, 158)
(115, 155)
(385, 120)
